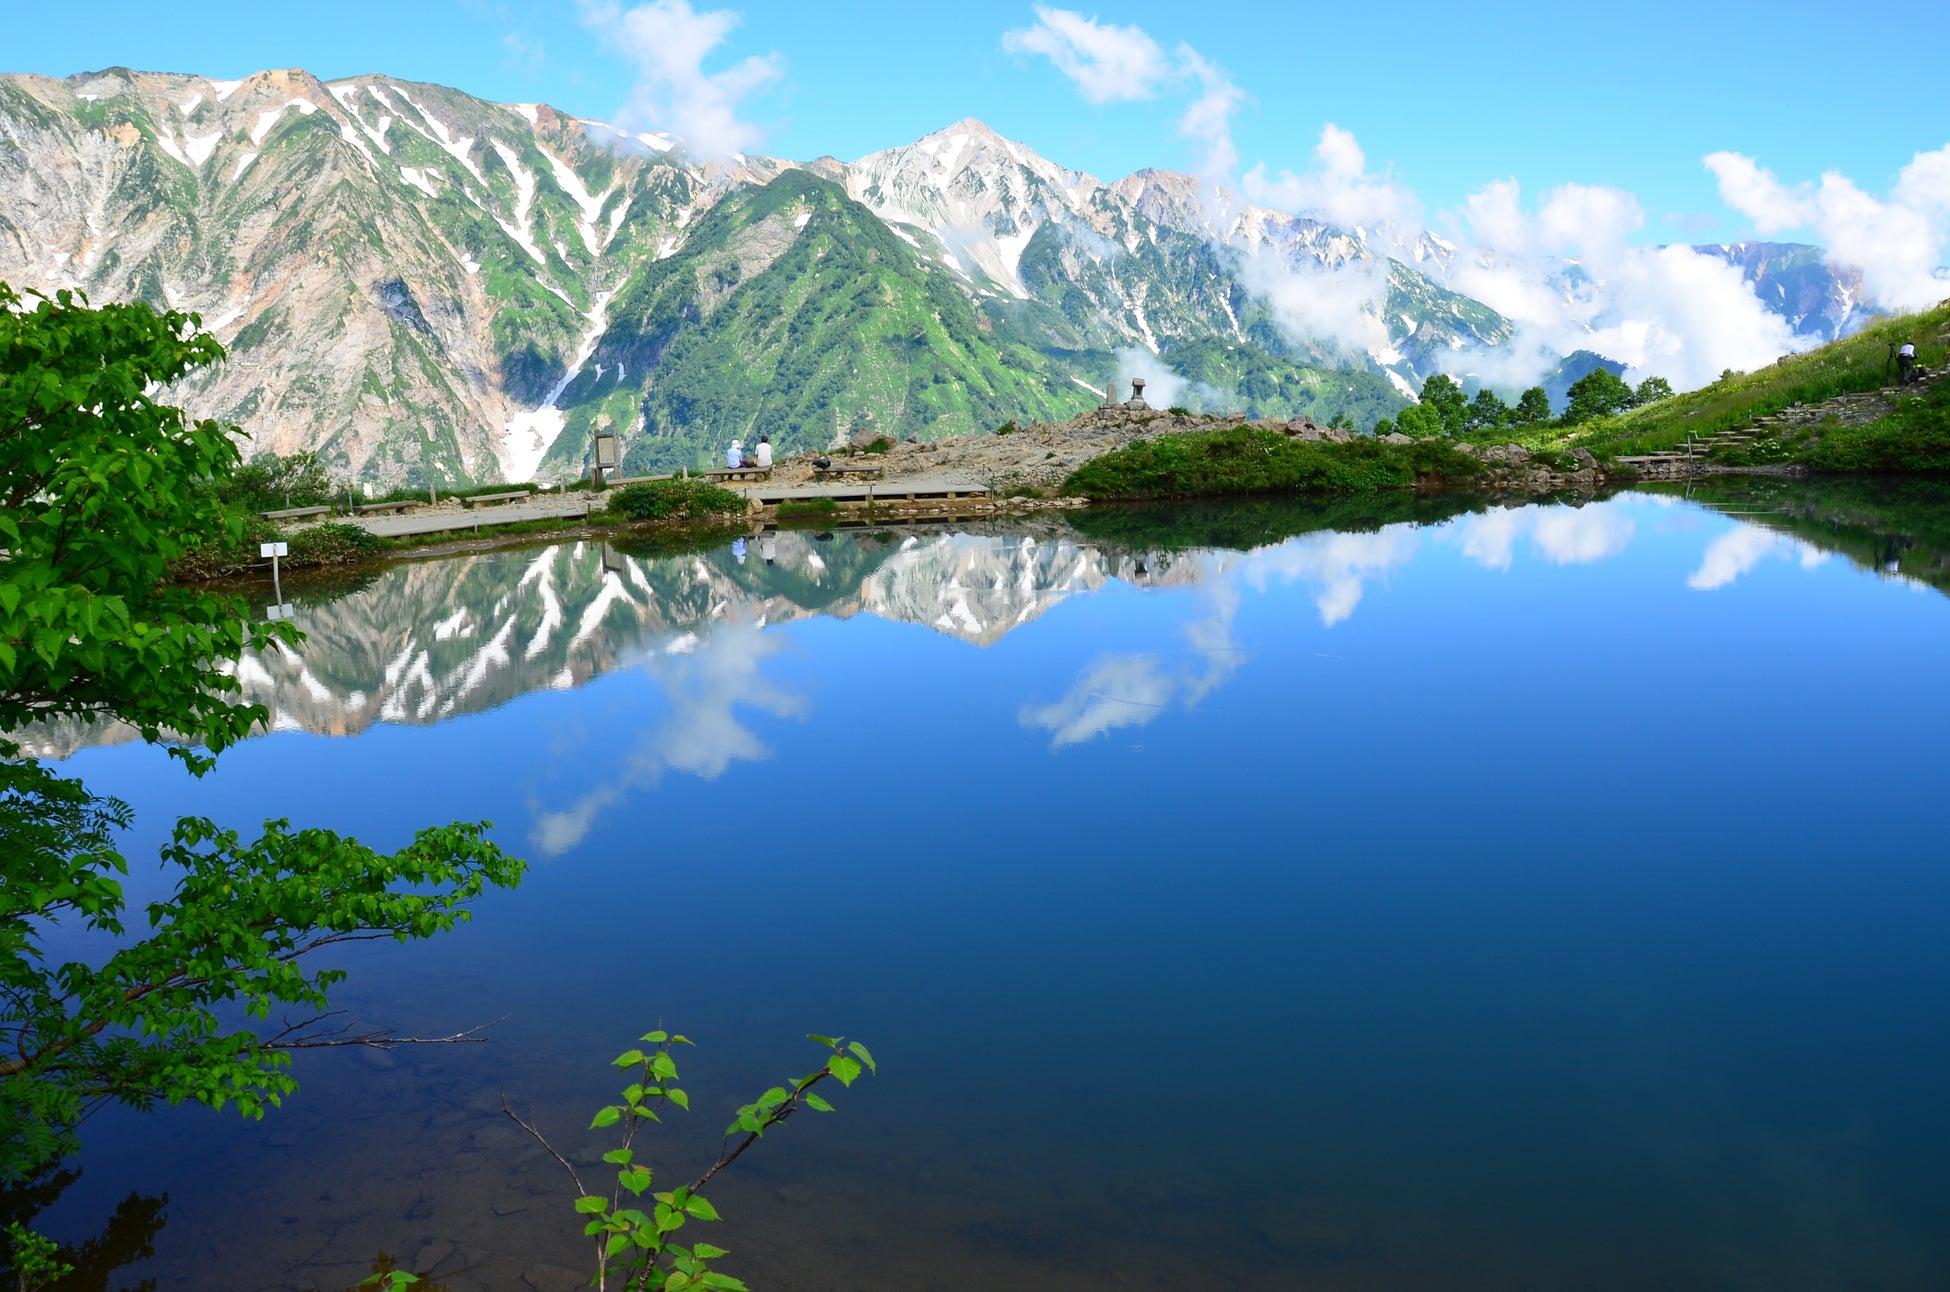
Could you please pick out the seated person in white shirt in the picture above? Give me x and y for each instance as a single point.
(764, 459)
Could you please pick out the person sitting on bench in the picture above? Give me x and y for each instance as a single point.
(764, 460)
(1906, 364)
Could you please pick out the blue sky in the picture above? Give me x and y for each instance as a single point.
(1442, 99)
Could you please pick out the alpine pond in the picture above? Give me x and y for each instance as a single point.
(1251, 896)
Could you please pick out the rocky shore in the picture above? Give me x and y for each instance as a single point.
(1040, 456)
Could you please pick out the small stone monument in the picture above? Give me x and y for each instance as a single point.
(1137, 394)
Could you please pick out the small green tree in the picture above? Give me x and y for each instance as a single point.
(1441, 393)
(1533, 407)
(636, 1248)
(1487, 412)
(1652, 390)
(1420, 421)
(269, 480)
(1598, 393)
(101, 489)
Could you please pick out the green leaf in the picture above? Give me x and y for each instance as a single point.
(589, 1205)
(706, 1252)
(826, 1041)
(606, 1117)
(655, 1038)
(627, 1059)
(619, 1156)
(698, 1207)
(678, 1097)
(844, 1069)
(817, 1104)
(865, 1058)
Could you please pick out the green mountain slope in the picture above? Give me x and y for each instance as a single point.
(792, 310)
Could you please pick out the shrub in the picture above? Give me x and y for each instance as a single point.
(807, 507)
(1244, 460)
(1179, 410)
(675, 500)
(1007, 428)
(880, 445)
(331, 544)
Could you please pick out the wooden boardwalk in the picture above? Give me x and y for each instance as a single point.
(924, 490)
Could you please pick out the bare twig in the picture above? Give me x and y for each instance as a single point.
(384, 1039)
(541, 1139)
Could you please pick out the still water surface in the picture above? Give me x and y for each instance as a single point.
(1549, 897)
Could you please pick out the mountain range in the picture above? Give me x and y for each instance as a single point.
(425, 287)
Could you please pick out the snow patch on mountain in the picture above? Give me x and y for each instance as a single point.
(199, 147)
(590, 205)
(523, 229)
(528, 436)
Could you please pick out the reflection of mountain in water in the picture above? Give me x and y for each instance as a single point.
(428, 640)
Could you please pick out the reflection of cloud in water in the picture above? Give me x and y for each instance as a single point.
(1739, 550)
(704, 678)
(1130, 690)
(1338, 565)
(1561, 535)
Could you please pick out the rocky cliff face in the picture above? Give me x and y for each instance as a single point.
(403, 275)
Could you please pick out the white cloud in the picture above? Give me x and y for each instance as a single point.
(1208, 119)
(1897, 244)
(1758, 195)
(1110, 64)
(1569, 278)
(1339, 304)
(668, 41)
(1113, 64)
(1340, 189)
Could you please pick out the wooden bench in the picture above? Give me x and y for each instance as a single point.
(295, 513)
(512, 495)
(369, 508)
(739, 473)
(840, 470)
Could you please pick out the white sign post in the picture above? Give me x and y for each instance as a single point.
(274, 551)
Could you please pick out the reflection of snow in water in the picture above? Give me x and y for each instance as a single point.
(703, 677)
(1737, 551)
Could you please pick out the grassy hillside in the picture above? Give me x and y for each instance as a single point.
(1850, 366)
